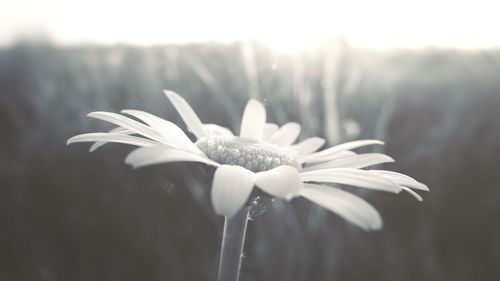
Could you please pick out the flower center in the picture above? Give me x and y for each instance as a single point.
(253, 155)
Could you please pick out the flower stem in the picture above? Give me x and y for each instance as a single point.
(232, 245)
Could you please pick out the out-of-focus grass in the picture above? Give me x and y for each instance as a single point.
(66, 214)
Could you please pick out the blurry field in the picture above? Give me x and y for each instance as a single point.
(66, 214)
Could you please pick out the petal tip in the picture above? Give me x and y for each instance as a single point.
(254, 102)
(231, 188)
(72, 140)
(131, 164)
(187, 114)
(376, 227)
(376, 224)
(253, 120)
(93, 114)
(171, 94)
(424, 187)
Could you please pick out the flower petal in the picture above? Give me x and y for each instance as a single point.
(216, 130)
(282, 181)
(128, 123)
(402, 179)
(112, 137)
(356, 161)
(163, 154)
(118, 130)
(412, 193)
(253, 121)
(269, 130)
(231, 188)
(354, 177)
(286, 135)
(308, 146)
(345, 204)
(187, 114)
(171, 132)
(335, 156)
(319, 156)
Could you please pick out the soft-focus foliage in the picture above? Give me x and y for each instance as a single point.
(66, 214)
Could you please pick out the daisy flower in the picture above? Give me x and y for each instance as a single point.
(262, 155)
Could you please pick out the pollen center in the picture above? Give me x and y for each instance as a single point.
(253, 155)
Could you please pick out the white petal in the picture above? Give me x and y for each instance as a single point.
(216, 130)
(163, 154)
(253, 121)
(402, 179)
(335, 156)
(354, 177)
(308, 146)
(412, 193)
(269, 130)
(119, 130)
(112, 137)
(286, 135)
(187, 113)
(338, 148)
(231, 188)
(282, 181)
(356, 161)
(128, 123)
(345, 204)
(170, 132)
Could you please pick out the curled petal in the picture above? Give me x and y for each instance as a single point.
(170, 132)
(286, 135)
(119, 130)
(163, 154)
(253, 121)
(282, 181)
(402, 179)
(308, 146)
(187, 114)
(112, 137)
(412, 193)
(231, 188)
(127, 123)
(354, 177)
(345, 204)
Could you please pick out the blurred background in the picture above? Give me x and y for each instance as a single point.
(422, 76)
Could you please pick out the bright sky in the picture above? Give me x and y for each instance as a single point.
(283, 24)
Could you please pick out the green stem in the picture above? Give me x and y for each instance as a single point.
(232, 245)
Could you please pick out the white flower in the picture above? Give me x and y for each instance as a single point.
(263, 155)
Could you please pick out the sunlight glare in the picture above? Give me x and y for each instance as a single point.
(286, 25)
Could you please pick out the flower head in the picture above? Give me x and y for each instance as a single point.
(263, 156)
